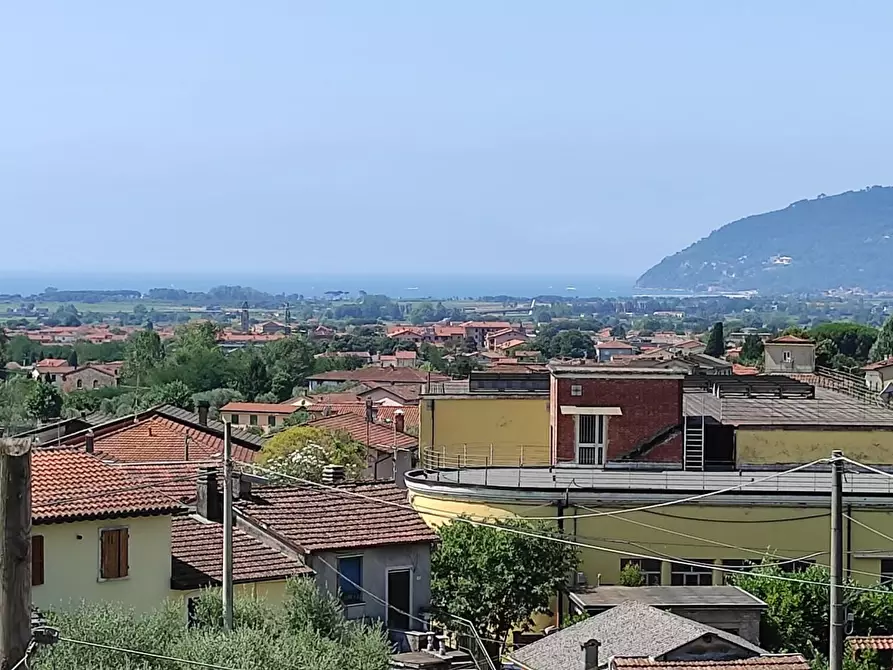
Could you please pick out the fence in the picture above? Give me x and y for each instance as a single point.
(485, 455)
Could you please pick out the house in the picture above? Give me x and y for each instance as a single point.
(527, 355)
(270, 328)
(879, 374)
(380, 375)
(359, 539)
(258, 414)
(399, 359)
(789, 353)
(416, 334)
(728, 608)
(632, 629)
(51, 370)
(478, 330)
(443, 334)
(89, 376)
(766, 662)
(607, 350)
(497, 339)
(96, 536)
(396, 395)
(322, 332)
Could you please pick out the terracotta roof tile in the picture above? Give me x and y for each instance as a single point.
(259, 407)
(789, 339)
(319, 519)
(379, 374)
(383, 413)
(197, 551)
(879, 365)
(769, 662)
(176, 480)
(613, 344)
(68, 485)
(862, 642)
(380, 437)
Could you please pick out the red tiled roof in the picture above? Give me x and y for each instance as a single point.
(317, 519)
(613, 344)
(498, 325)
(70, 485)
(258, 408)
(879, 365)
(397, 355)
(334, 398)
(383, 413)
(176, 480)
(768, 662)
(405, 392)
(863, 642)
(158, 438)
(379, 436)
(789, 339)
(379, 374)
(744, 370)
(197, 556)
(52, 363)
(449, 331)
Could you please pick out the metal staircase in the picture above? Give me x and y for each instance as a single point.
(693, 444)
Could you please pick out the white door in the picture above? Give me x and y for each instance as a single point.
(591, 435)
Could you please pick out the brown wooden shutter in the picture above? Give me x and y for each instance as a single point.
(123, 554)
(36, 560)
(109, 551)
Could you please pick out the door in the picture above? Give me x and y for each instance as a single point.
(399, 598)
(591, 439)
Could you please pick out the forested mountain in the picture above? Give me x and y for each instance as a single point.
(844, 240)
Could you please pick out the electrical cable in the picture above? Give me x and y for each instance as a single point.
(869, 528)
(146, 654)
(562, 540)
(23, 662)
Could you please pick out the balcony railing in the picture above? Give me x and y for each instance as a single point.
(483, 455)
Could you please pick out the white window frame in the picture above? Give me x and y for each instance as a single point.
(601, 447)
(787, 356)
(576, 390)
(387, 594)
(691, 573)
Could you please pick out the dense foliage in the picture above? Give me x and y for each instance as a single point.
(842, 240)
(307, 631)
(303, 451)
(716, 342)
(497, 578)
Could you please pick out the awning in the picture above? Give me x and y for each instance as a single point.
(598, 411)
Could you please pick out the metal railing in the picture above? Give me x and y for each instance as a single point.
(484, 455)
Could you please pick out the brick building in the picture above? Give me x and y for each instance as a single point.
(600, 414)
(89, 376)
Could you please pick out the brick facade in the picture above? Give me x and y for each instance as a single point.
(89, 378)
(649, 428)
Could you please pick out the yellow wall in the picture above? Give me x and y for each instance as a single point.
(714, 533)
(467, 427)
(272, 592)
(803, 446)
(71, 564)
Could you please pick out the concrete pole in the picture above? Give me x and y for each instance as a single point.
(227, 527)
(835, 647)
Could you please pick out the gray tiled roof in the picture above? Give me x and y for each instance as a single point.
(630, 629)
(669, 596)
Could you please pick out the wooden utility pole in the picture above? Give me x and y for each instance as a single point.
(227, 527)
(15, 553)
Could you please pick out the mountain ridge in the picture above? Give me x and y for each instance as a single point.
(828, 242)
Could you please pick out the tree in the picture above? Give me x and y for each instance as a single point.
(308, 630)
(289, 361)
(572, 344)
(496, 578)
(142, 355)
(4, 351)
(716, 343)
(631, 575)
(619, 331)
(303, 451)
(883, 345)
(853, 340)
(43, 401)
(72, 359)
(751, 350)
(175, 393)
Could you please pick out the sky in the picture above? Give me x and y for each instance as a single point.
(507, 136)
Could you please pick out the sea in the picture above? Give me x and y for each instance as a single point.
(404, 286)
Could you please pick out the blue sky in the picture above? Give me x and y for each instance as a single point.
(467, 136)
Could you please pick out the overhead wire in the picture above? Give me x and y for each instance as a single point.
(146, 654)
(566, 541)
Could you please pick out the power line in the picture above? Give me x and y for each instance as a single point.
(869, 528)
(146, 654)
(562, 540)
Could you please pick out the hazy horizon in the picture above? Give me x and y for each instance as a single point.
(512, 137)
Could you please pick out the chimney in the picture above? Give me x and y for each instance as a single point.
(208, 500)
(201, 408)
(88, 441)
(590, 654)
(333, 474)
(399, 421)
(402, 465)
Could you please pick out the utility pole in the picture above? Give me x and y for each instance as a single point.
(15, 552)
(835, 647)
(227, 527)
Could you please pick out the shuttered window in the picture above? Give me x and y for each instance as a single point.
(113, 545)
(36, 560)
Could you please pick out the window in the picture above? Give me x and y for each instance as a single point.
(590, 439)
(691, 575)
(887, 571)
(576, 390)
(271, 421)
(795, 566)
(252, 419)
(350, 580)
(113, 545)
(786, 356)
(80, 383)
(649, 567)
(234, 419)
(96, 383)
(36, 560)
(738, 564)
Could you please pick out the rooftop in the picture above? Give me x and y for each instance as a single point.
(789, 339)
(385, 374)
(197, 551)
(372, 434)
(878, 642)
(703, 597)
(769, 662)
(70, 485)
(879, 365)
(317, 519)
(259, 408)
(630, 629)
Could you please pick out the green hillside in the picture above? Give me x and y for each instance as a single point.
(844, 240)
